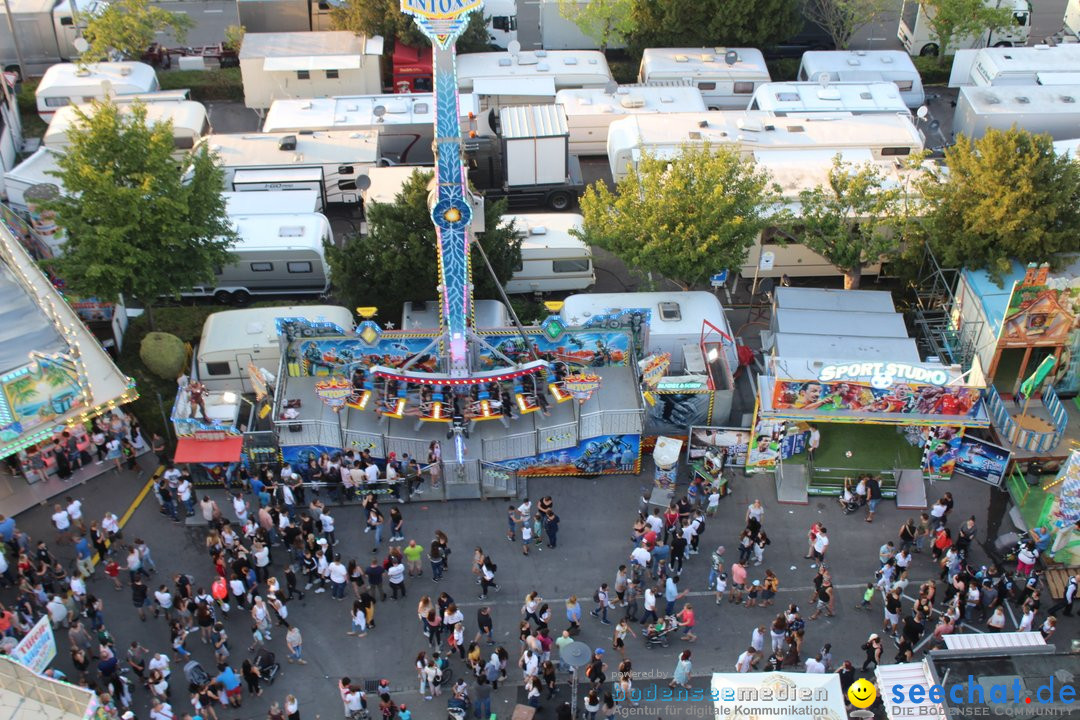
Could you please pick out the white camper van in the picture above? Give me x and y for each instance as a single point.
(405, 123)
(384, 183)
(1037, 65)
(1054, 110)
(71, 84)
(726, 77)
(271, 202)
(750, 132)
(786, 98)
(234, 339)
(865, 66)
(529, 78)
(35, 170)
(552, 259)
(330, 162)
(274, 255)
(918, 37)
(676, 318)
(188, 118)
(589, 112)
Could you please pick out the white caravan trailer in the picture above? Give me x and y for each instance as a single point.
(676, 318)
(384, 183)
(1054, 111)
(726, 77)
(274, 255)
(308, 65)
(11, 135)
(552, 259)
(330, 162)
(589, 112)
(71, 84)
(405, 123)
(892, 66)
(188, 118)
(271, 202)
(884, 136)
(1038, 65)
(34, 170)
(233, 339)
(915, 33)
(529, 78)
(785, 98)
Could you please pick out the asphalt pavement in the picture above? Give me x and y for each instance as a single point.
(596, 518)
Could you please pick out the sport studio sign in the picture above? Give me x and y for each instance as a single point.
(884, 375)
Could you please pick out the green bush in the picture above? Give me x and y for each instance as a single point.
(934, 71)
(163, 354)
(205, 85)
(783, 69)
(32, 124)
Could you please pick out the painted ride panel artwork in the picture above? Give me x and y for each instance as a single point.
(585, 349)
(602, 455)
(982, 460)
(324, 356)
(674, 413)
(900, 398)
(941, 451)
(37, 393)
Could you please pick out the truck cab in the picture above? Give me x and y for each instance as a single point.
(915, 33)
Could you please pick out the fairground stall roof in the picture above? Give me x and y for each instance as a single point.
(53, 371)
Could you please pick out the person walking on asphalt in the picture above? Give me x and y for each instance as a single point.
(600, 597)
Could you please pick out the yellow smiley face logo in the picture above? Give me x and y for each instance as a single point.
(862, 693)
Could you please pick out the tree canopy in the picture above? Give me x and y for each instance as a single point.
(126, 28)
(139, 222)
(843, 18)
(849, 219)
(950, 20)
(707, 23)
(384, 17)
(397, 261)
(1005, 196)
(605, 21)
(685, 218)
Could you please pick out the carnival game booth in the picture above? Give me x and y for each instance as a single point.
(879, 408)
(1026, 327)
(554, 401)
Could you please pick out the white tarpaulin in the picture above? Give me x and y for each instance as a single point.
(778, 695)
(24, 694)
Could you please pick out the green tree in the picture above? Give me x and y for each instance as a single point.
(384, 17)
(850, 219)
(707, 23)
(685, 218)
(234, 37)
(140, 223)
(1005, 196)
(397, 260)
(951, 20)
(843, 18)
(605, 21)
(126, 28)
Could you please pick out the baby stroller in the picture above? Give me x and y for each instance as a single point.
(657, 633)
(268, 667)
(195, 674)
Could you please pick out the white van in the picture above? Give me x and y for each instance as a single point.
(71, 84)
(552, 259)
(677, 319)
(589, 112)
(189, 121)
(865, 66)
(234, 339)
(274, 255)
(726, 77)
(873, 98)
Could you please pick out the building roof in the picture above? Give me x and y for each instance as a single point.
(303, 44)
(823, 322)
(835, 300)
(21, 328)
(1031, 667)
(532, 121)
(25, 694)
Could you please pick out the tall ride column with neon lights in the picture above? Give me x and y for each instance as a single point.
(443, 21)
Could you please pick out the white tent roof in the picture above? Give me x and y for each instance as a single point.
(774, 694)
(906, 675)
(24, 694)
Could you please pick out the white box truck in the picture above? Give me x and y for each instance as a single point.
(552, 259)
(726, 77)
(918, 38)
(47, 30)
(865, 66)
(232, 340)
